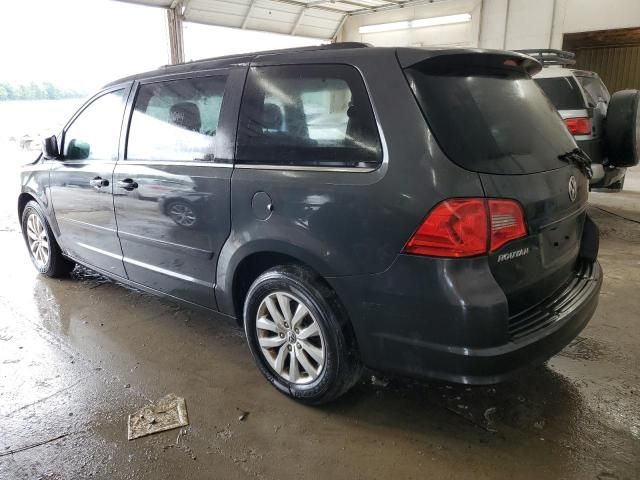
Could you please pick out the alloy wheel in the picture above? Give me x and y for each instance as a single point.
(290, 338)
(38, 240)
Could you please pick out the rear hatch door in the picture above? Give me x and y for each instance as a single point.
(490, 117)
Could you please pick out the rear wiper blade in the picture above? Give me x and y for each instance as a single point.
(580, 159)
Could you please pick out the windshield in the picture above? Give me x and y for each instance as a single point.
(563, 92)
(490, 119)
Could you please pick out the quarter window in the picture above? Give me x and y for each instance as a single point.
(176, 120)
(307, 115)
(95, 133)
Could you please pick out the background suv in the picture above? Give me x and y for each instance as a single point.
(592, 114)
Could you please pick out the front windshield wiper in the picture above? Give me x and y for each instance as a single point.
(580, 159)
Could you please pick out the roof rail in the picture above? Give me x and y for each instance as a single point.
(341, 45)
(549, 56)
(326, 46)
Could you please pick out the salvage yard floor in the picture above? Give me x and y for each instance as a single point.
(77, 356)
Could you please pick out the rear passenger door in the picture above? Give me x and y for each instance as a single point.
(171, 192)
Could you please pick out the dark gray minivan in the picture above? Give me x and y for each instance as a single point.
(419, 212)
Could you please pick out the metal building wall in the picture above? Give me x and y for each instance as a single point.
(618, 66)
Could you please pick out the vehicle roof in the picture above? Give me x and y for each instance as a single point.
(406, 57)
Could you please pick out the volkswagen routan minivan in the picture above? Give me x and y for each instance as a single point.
(417, 212)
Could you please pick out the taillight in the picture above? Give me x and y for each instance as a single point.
(578, 126)
(507, 222)
(467, 227)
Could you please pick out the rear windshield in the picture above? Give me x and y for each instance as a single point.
(596, 90)
(490, 119)
(563, 92)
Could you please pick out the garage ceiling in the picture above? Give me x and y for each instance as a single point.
(309, 18)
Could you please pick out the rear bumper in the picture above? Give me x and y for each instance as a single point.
(454, 325)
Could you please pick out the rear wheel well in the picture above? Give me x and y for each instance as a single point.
(249, 269)
(255, 264)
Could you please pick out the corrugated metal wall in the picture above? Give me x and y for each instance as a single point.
(619, 66)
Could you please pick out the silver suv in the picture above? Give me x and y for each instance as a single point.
(591, 114)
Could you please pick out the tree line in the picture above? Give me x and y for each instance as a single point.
(35, 91)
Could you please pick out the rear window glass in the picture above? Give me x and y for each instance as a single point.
(563, 92)
(596, 91)
(307, 115)
(176, 120)
(491, 119)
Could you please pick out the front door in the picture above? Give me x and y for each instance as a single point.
(81, 183)
(171, 192)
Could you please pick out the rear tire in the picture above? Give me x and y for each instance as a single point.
(43, 249)
(313, 368)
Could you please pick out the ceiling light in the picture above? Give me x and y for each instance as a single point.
(419, 23)
(384, 27)
(445, 20)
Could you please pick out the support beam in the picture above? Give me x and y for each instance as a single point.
(338, 28)
(298, 20)
(248, 14)
(176, 39)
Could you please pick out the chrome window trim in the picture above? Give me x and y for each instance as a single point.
(185, 163)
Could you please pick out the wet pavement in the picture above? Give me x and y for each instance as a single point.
(77, 356)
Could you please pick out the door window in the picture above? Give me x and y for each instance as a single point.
(176, 120)
(307, 115)
(95, 133)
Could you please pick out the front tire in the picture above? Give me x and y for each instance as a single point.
(44, 251)
(299, 335)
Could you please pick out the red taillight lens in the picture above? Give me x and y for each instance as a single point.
(578, 126)
(507, 222)
(454, 228)
(466, 227)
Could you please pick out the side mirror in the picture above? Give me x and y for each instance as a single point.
(50, 148)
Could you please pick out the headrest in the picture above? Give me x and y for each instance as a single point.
(186, 115)
(271, 117)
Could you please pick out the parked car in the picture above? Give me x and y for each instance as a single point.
(30, 142)
(601, 123)
(435, 226)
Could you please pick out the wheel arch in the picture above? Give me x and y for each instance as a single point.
(23, 199)
(237, 270)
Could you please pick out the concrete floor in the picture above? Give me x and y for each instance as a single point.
(78, 355)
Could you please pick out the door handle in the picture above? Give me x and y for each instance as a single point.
(127, 184)
(99, 182)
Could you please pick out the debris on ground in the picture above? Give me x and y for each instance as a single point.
(243, 415)
(180, 444)
(166, 414)
(379, 382)
(488, 414)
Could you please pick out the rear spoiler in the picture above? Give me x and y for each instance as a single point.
(549, 57)
(411, 56)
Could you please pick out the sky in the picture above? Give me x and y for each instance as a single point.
(83, 44)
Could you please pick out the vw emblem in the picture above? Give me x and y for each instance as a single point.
(573, 188)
